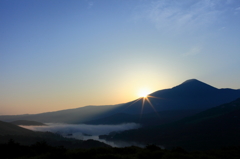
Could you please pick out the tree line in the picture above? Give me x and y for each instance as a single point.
(41, 150)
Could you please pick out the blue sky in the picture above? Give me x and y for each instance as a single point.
(57, 54)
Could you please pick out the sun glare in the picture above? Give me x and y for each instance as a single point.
(143, 93)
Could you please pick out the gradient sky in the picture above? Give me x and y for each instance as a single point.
(61, 54)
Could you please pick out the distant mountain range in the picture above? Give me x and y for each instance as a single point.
(77, 115)
(188, 98)
(216, 127)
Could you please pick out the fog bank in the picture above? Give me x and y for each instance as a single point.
(85, 132)
(94, 130)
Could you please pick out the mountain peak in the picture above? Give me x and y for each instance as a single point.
(192, 80)
(192, 84)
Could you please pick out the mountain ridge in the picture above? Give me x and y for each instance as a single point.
(189, 95)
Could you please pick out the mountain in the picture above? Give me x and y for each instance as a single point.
(28, 123)
(191, 94)
(213, 128)
(188, 96)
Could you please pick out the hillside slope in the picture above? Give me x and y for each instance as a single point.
(213, 128)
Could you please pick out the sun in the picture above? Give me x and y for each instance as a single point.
(144, 92)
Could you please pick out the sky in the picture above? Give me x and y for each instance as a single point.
(62, 54)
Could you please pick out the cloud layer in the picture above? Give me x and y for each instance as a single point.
(85, 132)
(186, 15)
(83, 128)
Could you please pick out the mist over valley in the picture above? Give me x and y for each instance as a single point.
(86, 132)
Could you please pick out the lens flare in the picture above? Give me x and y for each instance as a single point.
(145, 98)
(144, 92)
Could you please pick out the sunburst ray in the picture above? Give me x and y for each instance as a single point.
(150, 103)
(132, 103)
(143, 103)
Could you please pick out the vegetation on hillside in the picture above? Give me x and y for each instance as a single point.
(41, 150)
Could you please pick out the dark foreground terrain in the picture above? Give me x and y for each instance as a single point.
(41, 150)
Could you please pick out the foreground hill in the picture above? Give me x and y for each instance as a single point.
(214, 128)
(11, 129)
(24, 136)
(188, 96)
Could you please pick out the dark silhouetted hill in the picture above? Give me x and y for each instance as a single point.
(214, 128)
(191, 94)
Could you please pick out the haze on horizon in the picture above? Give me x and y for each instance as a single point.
(61, 54)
